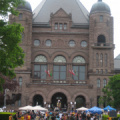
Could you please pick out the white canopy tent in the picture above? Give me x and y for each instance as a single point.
(39, 108)
(28, 107)
(82, 109)
(33, 108)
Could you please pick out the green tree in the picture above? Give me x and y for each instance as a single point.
(11, 54)
(112, 92)
(9, 6)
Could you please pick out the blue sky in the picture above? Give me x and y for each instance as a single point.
(115, 8)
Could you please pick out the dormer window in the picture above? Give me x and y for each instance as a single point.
(56, 26)
(65, 26)
(60, 26)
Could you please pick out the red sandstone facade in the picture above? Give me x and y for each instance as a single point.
(98, 56)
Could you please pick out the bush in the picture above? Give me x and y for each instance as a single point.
(105, 117)
(5, 115)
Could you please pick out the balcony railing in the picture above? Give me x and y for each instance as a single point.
(59, 82)
(102, 45)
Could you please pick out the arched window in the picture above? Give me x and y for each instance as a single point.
(59, 69)
(40, 67)
(60, 59)
(40, 58)
(101, 59)
(104, 82)
(20, 16)
(20, 81)
(106, 60)
(101, 39)
(79, 68)
(101, 18)
(98, 83)
(78, 59)
(22, 36)
(97, 59)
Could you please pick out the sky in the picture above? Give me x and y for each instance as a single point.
(115, 9)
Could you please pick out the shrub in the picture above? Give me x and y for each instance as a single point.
(5, 115)
(105, 117)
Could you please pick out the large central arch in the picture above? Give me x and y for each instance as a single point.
(59, 100)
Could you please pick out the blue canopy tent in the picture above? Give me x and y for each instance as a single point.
(95, 110)
(108, 108)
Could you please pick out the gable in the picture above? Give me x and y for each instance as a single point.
(60, 13)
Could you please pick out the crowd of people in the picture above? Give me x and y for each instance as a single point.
(37, 115)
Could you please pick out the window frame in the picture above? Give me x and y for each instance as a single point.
(101, 59)
(60, 26)
(59, 71)
(98, 83)
(56, 26)
(20, 80)
(106, 59)
(84, 43)
(37, 44)
(104, 82)
(79, 72)
(97, 59)
(65, 26)
(72, 43)
(20, 16)
(40, 71)
(40, 63)
(47, 43)
(101, 18)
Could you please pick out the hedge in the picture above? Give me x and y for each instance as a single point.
(105, 117)
(5, 115)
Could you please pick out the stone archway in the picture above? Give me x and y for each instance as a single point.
(83, 95)
(66, 93)
(36, 93)
(38, 100)
(59, 100)
(80, 101)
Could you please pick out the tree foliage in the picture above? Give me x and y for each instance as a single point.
(112, 92)
(8, 6)
(11, 54)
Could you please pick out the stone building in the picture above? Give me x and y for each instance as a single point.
(68, 53)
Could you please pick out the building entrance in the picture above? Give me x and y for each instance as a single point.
(59, 100)
(38, 100)
(80, 101)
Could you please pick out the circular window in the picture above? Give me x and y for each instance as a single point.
(48, 42)
(36, 42)
(84, 44)
(71, 43)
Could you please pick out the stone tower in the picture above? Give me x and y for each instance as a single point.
(100, 43)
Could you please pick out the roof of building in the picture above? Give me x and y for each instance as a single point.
(117, 62)
(118, 57)
(100, 7)
(26, 6)
(79, 13)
